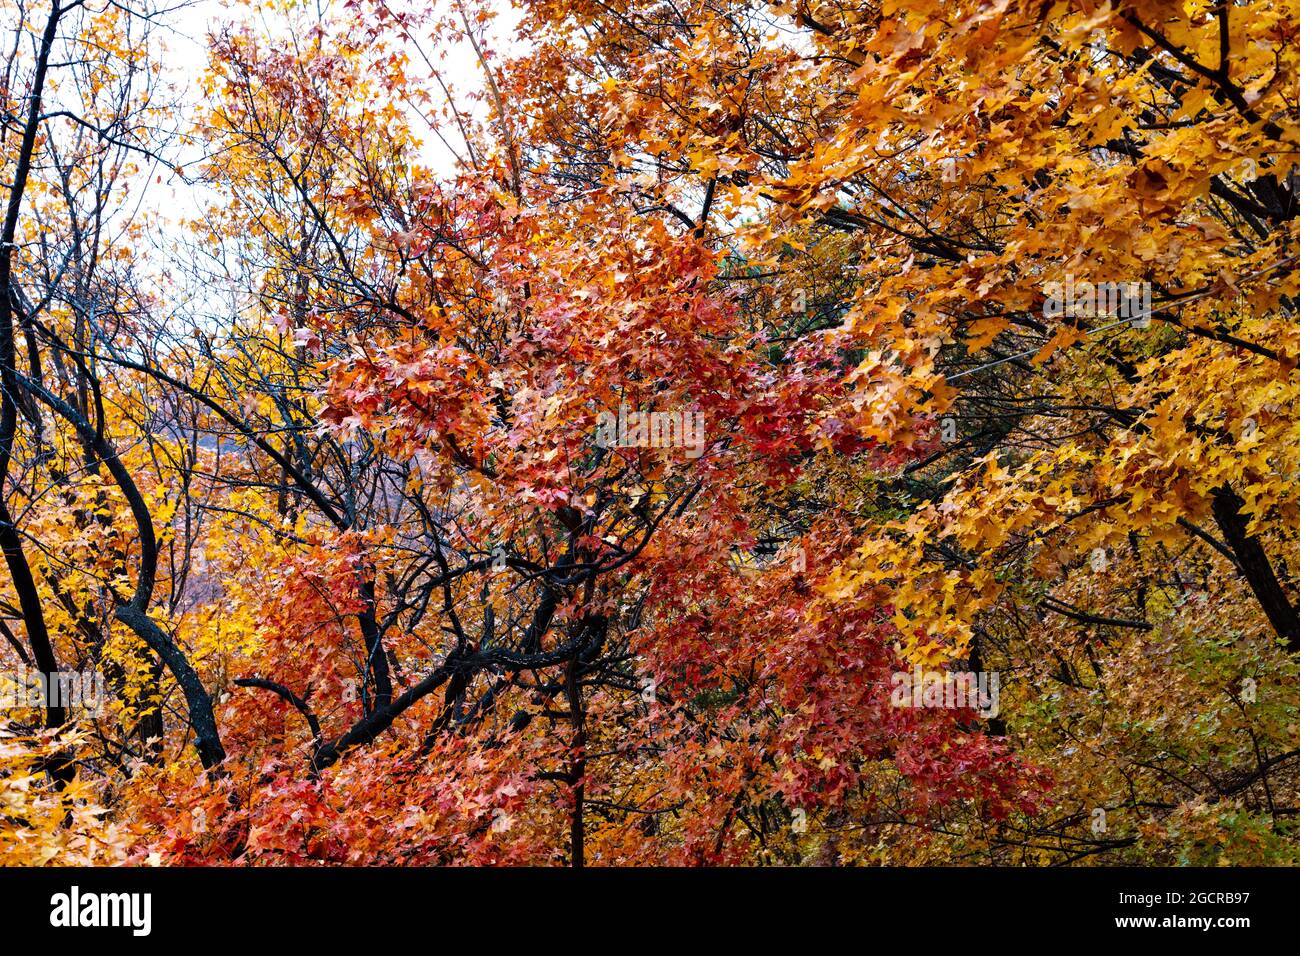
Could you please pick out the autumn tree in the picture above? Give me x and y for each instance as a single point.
(552, 450)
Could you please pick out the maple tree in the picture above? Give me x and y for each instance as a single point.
(579, 497)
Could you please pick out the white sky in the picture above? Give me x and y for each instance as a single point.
(181, 38)
(183, 34)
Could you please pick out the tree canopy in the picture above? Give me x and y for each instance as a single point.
(558, 443)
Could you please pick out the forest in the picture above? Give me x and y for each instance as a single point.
(649, 433)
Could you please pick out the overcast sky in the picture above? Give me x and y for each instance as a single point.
(183, 32)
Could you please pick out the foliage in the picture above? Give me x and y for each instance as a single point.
(314, 476)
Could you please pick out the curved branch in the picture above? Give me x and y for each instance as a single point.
(287, 695)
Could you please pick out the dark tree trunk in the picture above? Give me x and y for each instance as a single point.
(1255, 565)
